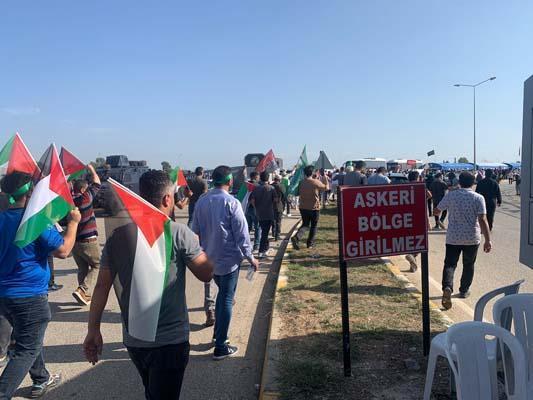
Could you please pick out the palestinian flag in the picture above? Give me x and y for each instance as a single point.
(50, 201)
(15, 156)
(267, 163)
(72, 166)
(298, 175)
(178, 177)
(150, 237)
(244, 194)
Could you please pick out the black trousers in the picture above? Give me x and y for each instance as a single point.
(276, 224)
(309, 222)
(442, 217)
(161, 369)
(430, 208)
(450, 264)
(265, 230)
(491, 210)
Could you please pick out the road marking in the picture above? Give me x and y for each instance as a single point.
(456, 302)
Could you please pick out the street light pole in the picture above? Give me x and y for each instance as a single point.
(474, 87)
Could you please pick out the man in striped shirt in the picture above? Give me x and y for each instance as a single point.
(86, 251)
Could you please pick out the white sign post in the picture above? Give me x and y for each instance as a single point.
(526, 186)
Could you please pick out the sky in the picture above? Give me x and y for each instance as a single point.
(204, 83)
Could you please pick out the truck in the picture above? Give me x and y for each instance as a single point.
(124, 171)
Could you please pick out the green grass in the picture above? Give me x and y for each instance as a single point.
(385, 326)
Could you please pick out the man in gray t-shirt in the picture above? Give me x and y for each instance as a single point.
(161, 363)
(467, 222)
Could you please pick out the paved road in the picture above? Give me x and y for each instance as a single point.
(495, 269)
(115, 378)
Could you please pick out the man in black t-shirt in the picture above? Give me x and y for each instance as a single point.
(198, 187)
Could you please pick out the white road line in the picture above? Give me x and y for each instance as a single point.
(456, 302)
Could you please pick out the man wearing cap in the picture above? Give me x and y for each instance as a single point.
(24, 276)
(220, 223)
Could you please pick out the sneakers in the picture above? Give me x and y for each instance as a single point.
(310, 245)
(210, 319)
(39, 390)
(441, 225)
(4, 360)
(289, 215)
(81, 297)
(54, 286)
(436, 228)
(261, 255)
(412, 262)
(295, 244)
(447, 298)
(464, 295)
(228, 351)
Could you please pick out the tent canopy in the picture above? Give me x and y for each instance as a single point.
(514, 165)
(450, 166)
(323, 161)
(492, 165)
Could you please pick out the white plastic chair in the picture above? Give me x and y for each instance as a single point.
(439, 342)
(470, 362)
(518, 308)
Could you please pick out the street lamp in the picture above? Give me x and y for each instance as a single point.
(474, 87)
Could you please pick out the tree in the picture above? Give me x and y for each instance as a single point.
(165, 166)
(462, 160)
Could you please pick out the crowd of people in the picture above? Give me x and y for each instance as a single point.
(213, 245)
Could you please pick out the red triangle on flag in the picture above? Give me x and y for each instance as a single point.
(267, 162)
(181, 178)
(70, 162)
(20, 158)
(149, 219)
(58, 182)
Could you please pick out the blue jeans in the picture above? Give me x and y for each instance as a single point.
(253, 223)
(29, 317)
(227, 285)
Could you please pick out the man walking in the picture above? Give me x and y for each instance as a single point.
(379, 178)
(490, 190)
(356, 177)
(220, 223)
(251, 216)
(310, 189)
(438, 190)
(86, 251)
(278, 207)
(466, 223)
(198, 187)
(24, 276)
(263, 199)
(161, 363)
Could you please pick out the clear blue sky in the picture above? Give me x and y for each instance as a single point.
(206, 82)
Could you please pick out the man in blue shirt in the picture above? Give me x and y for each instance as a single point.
(220, 223)
(24, 276)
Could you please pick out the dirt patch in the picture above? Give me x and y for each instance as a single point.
(385, 323)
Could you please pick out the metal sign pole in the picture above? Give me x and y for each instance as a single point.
(425, 304)
(344, 294)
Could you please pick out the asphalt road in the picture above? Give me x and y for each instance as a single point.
(114, 377)
(495, 269)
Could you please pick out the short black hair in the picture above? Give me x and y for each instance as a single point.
(489, 173)
(199, 171)
(220, 175)
(413, 176)
(380, 170)
(79, 184)
(438, 175)
(277, 179)
(14, 181)
(308, 171)
(254, 174)
(466, 179)
(342, 169)
(154, 185)
(264, 176)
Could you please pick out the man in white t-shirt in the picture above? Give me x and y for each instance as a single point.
(467, 221)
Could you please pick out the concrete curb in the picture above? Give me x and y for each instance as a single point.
(413, 290)
(269, 377)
